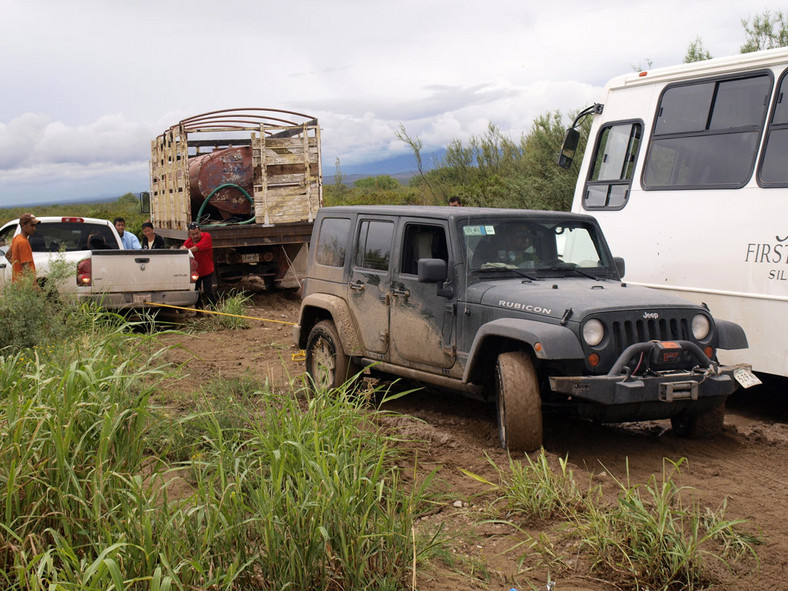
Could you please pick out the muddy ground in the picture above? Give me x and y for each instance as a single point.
(745, 466)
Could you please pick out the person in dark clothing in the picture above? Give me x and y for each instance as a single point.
(149, 237)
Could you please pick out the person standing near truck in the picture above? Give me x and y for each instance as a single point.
(129, 240)
(149, 237)
(201, 245)
(20, 255)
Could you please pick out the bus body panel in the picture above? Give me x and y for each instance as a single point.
(726, 247)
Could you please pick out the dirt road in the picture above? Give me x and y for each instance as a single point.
(745, 466)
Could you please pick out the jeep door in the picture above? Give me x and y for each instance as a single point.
(421, 320)
(370, 281)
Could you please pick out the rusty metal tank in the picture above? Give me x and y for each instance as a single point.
(227, 166)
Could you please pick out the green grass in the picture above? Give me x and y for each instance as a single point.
(649, 538)
(99, 489)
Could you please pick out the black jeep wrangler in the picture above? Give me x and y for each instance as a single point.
(523, 307)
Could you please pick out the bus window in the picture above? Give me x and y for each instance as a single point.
(706, 133)
(614, 161)
(773, 172)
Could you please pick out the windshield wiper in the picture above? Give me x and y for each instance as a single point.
(568, 267)
(499, 267)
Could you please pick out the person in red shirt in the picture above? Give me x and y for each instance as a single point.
(201, 245)
(21, 254)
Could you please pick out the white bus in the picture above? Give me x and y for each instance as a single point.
(686, 170)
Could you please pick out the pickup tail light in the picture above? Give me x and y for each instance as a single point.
(195, 276)
(84, 272)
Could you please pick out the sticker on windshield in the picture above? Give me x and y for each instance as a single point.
(478, 230)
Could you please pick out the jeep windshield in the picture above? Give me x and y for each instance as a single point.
(535, 247)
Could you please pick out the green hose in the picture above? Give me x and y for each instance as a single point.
(208, 198)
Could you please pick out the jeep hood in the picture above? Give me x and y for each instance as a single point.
(553, 296)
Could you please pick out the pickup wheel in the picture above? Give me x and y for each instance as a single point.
(326, 361)
(702, 426)
(519, 402)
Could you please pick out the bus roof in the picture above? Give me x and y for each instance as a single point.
(713, 67)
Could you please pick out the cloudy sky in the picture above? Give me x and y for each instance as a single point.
(86, 84)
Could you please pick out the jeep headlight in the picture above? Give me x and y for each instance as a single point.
(700, 327)
(594, 332)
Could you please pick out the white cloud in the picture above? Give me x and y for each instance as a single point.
(88, 83)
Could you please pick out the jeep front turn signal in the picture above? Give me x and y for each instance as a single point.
(593, 360)
(709, 351)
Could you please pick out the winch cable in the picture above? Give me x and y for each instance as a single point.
(219, 313)
(299, 356)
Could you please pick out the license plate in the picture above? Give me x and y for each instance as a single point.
(141, 298)
(250, 258)
(746, 378)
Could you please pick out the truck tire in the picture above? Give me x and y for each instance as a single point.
(519, 402)
(326, 362)
(702, 426)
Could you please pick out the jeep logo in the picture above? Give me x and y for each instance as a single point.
(650, 315)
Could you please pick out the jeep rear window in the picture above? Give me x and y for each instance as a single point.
(332, 242)
(373, 249)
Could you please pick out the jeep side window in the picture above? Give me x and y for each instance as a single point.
(332, 242)
(373, 247)
(422, 242)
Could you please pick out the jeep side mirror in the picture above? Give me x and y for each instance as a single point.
(571, 140)
(432, 270)
(620, 266)
(145, 202)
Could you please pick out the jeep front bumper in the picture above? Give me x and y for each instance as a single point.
(705, 380)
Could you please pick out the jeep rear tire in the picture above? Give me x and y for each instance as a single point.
(702, 426)
(519, 402)
(326, 362)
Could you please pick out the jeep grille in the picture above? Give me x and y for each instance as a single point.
(629, 332)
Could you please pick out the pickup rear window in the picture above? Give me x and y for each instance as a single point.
(71, 236)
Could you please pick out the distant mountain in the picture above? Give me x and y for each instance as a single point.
(401, 168)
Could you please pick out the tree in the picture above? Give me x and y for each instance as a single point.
(765, 31)
(696, 52)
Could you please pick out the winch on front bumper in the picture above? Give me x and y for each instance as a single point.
(657, 376)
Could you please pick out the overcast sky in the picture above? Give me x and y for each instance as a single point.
(86, 84)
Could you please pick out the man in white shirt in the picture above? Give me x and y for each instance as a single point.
(129, 240)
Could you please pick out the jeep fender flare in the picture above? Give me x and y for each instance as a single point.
(339, 312)
(557, 342)
(730, 335)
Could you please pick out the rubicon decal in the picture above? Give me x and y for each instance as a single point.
(525, 307)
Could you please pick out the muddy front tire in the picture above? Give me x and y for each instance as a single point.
(326, 362)
(519, 402)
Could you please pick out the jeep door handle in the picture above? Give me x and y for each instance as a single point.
(356, 285)
(400, 293)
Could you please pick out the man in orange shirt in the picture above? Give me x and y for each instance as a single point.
(20, 254)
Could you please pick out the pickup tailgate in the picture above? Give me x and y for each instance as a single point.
(141, 270)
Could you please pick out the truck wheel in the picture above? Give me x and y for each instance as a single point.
(326, 361)
(702, 426)
(519, 402)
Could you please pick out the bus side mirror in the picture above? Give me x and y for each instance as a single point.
(145, 202)
(571, 139)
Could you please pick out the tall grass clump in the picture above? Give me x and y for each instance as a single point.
(32, 312)
(653, 539)
(303, 495)
(99, 489)
(649, 538)
(74, 427)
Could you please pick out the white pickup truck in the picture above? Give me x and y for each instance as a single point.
(103, 271)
